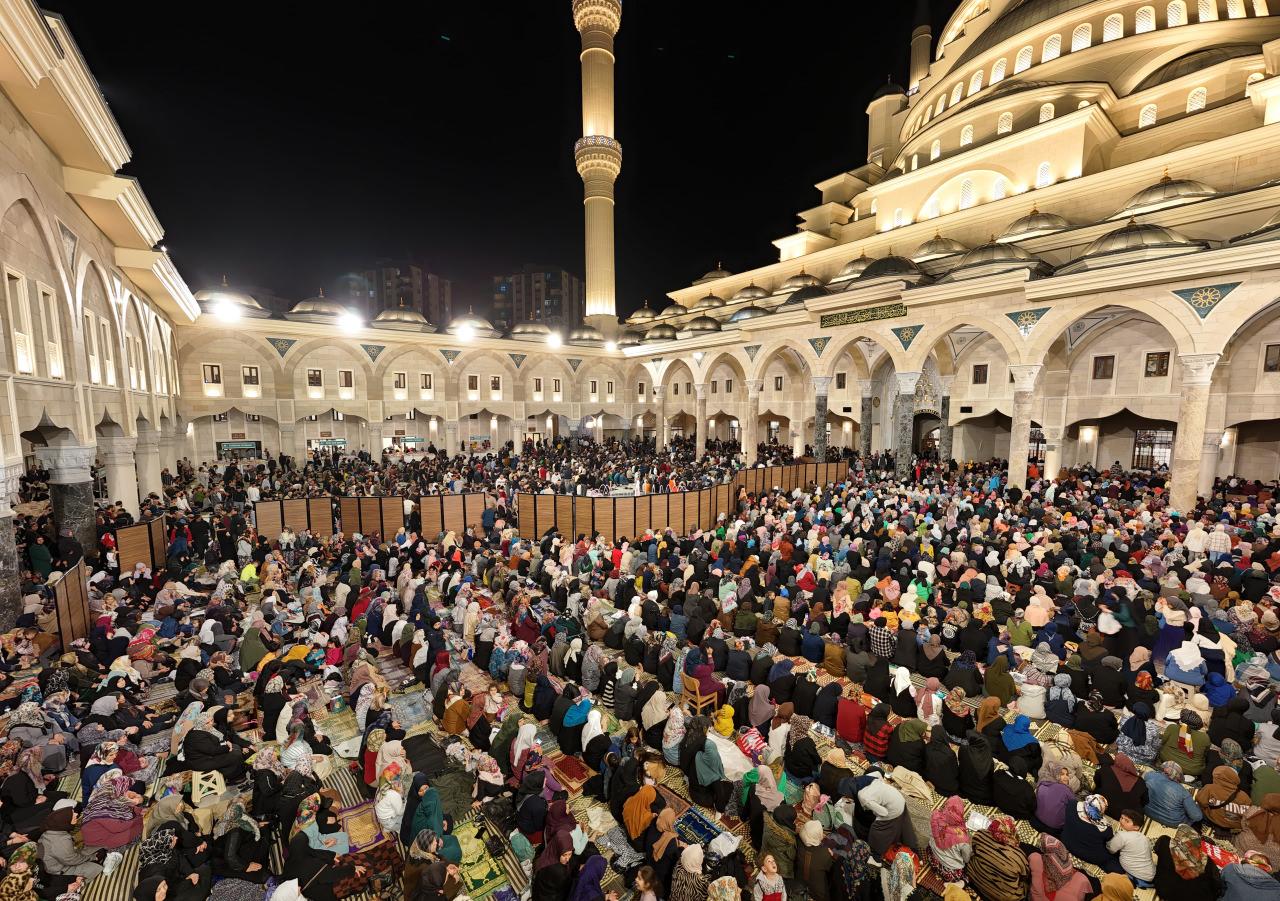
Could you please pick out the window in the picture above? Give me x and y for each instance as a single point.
(639, 389)
(956, 93)
(942, 104)
(1044, 177)
(495, 384)
(675, 389)
(980, 373)
(1046, 112)
(899, 217)
(1052, 48)
(1197, 99)
(975, 83)
(108, 352)
(777, 383)
(252, 417)
(1208, 10)
(315, 378)
(1023, 61)
(249, 375)
(842, 379)
(51, 327)
(314, 417)
(345, 378)
(402, 381)
(728, 386)
(915, 161)
(1157, 365)
(1152, 448)
(1235, 9)
(219, 417)
(966, 194)
(966, 136)
(555, 386)
(1271, 358)
(1005, 124)
(91, 348)
(595, 386)
(212, 374)
(20, 320)
(935, 150)
(997, 71)
(999, 188)
(1176, 14)
(1144, 20)
(608, 389)
(1260, 8)
(1147, 117)
(714, 385)
(930, 210)
(424, 381)
(412, 414)
(537, 386)
(1113, 28)
(338, 417)
(688, 387)
(473, 383)
(1104, 368)
(1081, 38)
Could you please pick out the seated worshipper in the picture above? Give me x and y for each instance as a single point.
(932, 662)
(113, 814)
(574, 719)
(892, 823)
(25, 794)
(1250, 879)
(826, 705)
(1117, 780)
(1185, 743)
(1260, 830)
(801, 758)
(835, 769)
(1085, 833)
(878, 731)
(998, 869)
(1018, 742)
(782, 681)
(1108, 681)
(964, 674)
(673, 734)
(1223, 803)
(1095, 720)
(318, 855)
(662, 845)
(762, 796)
(929, 703)
(1186, 665)
(457, 711)
(241, 846)
(59, 853)
(761, 710)
(815, 864)
(1140, 736)
(941, 769)
(906, 745)
(1230, 722)
(977, 766)
(297, 754)
(1169, 802)
(851, 716)
(950, 845)
(957, 715)
(688, 883)
(1012, 793)
(707, 683)
(1183, 869)
(709, 786)
(879, 682)
(1054, 876)
(1053, 795)
(639, 812)
(998, 682)
(990, 722)
(903, 699)
(1133, 848)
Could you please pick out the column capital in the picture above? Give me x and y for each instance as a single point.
(754, 387)
(1025, 375)
(1052, 433)
(1197, 369)
(907, 382)
(700, 390)
(1212, 442)
(946, 381)
(67, 464)
(821, 384)
(865, 387)
(148, 444)
(659, 390)
(451, 426)
(10, 477)
(117, 450)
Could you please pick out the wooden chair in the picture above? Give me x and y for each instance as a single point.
(692, 695)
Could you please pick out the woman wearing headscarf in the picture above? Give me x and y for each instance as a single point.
(673, 735)
(1053, 795)
(879, 729)
(1185, 743)
(1139, 736)
(1231, 721)
(956, 715)
(801, 758)
(903, 693)
(1183, 869)
(1096, 721)
(1054, 876)
(1117, 780)
(835, 769)
(1260, 830)
(998, 682)
(1085, 833)
(709, 782)
(639, 811)
(662, 845)
(990, 722)
(1222, 801)
(928, 705)
(779, 839)
(552, 880)
(998, 869)
(760, 711)
(1016, 741)
(976, 767)
(112, 816)
(964, 674)
(688, 882)
(59, 853)
(25, 793)
(879, 682)
(906, 745)
(932, 662)
(1012, 793)
(586, 886)
(941, 768)
(814, 863)
(762, 797)
(826, 705)
(949, 841)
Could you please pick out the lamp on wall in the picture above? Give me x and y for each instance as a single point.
(1088, 433)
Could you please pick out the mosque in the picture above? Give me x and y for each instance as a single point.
(1063, 245)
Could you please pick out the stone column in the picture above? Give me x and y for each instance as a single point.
(147, 458)
(1188, 442)
(751, 427)
(864, 422)
(904, 413)
(1024, 384)
(288, 444)
(169, 442)
(71, 491)
(451, 438)
(821, 387)
(944, 414)
(117, 455)
(10, 566)
(663, 430)
(374, 436)
(1210, 455)
(700, 415)
(599, 429)
(1052, 451)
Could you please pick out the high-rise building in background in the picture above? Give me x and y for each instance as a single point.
(390, 284)
(538, 294)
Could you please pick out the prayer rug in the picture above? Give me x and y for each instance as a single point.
(394, 671)
(695, 828)
(571, 772)
(337, 727)
(362, 826)
(410, 709)
(549, 744)
(480, 873)
(474, 679)
(161, 692)
(677, 803)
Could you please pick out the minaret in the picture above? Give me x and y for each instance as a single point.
(598, 154)
(921, 44)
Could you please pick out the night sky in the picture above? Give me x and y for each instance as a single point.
(283, 149)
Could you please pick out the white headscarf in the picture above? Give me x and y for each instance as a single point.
(593, 727)
(524, 741)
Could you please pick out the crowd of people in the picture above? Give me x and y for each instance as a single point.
(944, 686)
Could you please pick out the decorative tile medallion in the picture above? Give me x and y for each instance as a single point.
(1026, 320)
(450, 354)
(373, 350)
(1205, 298)
(282, 345)
(752, 350)
(518, 359)
(906, 334)
(574, 363)
(819, 344)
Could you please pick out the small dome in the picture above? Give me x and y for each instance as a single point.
(1166, 192)
(702, 324)
(213, 297)
(798, 298)
(478, 326)
(750, 292)
(750, 311)
(660, 332)
(938, 247)
(853, 268)
(994, 258)
(889, 266)
(710, 302)
(996, 252)
(718, 272)
(585, 334)
(630, 338)
(888, 89)
(1137, 236)
(531, 331)
(402, 318)
(675, 309)
(796, 282)
(1033, 224)
(318, 306)
(644, 314)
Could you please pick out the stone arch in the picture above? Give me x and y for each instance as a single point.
(679, 373)
(728, 358)
(18, 188)
(796, 360)
(1059, 319)
(1008, 338)
(847, 343)
(21, 212)
(506, 368)
(295, 369)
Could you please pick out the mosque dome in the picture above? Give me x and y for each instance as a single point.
(585, 334)
(1032, 225)
(676, 308)
(661, 332)
(702, 323)
(710, 302)
(936, 248)
(853, 268)
(630, 338)
(995, 257)
(799, 296)
(469, 324)
(750, 311)
(1166, 192)
(798, 281)
(318, 306)
(1194, 62)
(750, 292)
(718, 272)
(644, 314)
(1138, 236)
(1017, 18)
(886, 267)
(239, 303)
(531, 331)
(403, 319)
(888, 89)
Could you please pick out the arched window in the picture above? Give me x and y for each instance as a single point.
(899, 218)
(1082, 104)
(935, 150)
(1112, 28)
(1005, 125)
(999, 189)
(915, 161)
(1208, 11)
(1046, 112)
(1145, 20)
(1197, 99)
(1260, 8)
(874, 203)
(1052, 48)
(930, 210)
(1043, 177)
(942, 104)
(1147, 117)
(1081, 38)
(1023, 62)
(966, 194)
(966, 136)
(1254, 78)
(1235, 9)
(997, 71)
(1176, 14)
(956, 93)
(975, 83)
(928, 114)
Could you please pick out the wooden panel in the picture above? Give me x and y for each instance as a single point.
(582, 511)
(454, 521)
(429, 512)
(392, 516)
(564, 516)
(660, 514)
(293, 513)
(602, 509)
(320, 511)
(133, 546)
(644, 514)
(159, 542)
(349, 511)
(370, 516)
(720, 500)
(71, 601)
(693, 504)
(675, 507)
(267, 518)
(546, 513)
(624, 522)
(527, 514)
(474, 504)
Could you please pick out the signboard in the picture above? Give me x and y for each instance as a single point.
(332, 442)
(238, 445)
(478, 443)
(238, 449)
(239, 435)
(410, 439)
(866, 314)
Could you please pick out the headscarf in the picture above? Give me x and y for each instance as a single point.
(1017, 734)
(1187, 849)
(1092, 810)
(956, 701)
(1116, 887)
(801, 726)
(1172, 771)
(587, 886)
(767, 792)
(691, 859)
(1004, 830)
(811, 833)
(1056, 860)
(1265, 821)
(988, 711)
(1135, 727)
(761, 708)
(901, 878)
(666, 832)
(1125, 772)
(725, 889)
(636, 812)
(948, 824)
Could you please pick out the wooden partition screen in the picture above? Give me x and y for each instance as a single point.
(143, 542)
(450, 513)
(366, 515)
(297, 513)
(71, 599)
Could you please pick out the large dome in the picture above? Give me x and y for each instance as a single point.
(1138, 236)
(630, 338)
(403, 319)
(586, 334)
(1019, 17)
(1032, 225)
(996, 257)
(1166, 192)
(1194, 62)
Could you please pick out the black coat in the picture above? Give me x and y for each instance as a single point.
(1014, 795)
